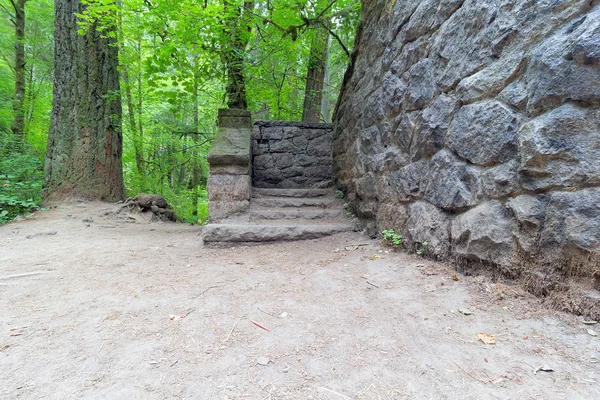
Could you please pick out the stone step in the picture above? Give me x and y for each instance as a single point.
(309, 213)
(288, 202)
(214, 233)
(272, 192)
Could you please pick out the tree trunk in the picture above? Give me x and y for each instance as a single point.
(83, 156)
(18, 126)
(315, 77)
(137, 141)
(237, 33)
(140, 93)
(196, 166)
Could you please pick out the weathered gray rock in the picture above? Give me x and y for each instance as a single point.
(484, 133)
(572, 225)
(407, 183)
(427, 223)
(530, 212)
(393, 92)
(491, 80)
(564, 68)
(561, 149)
(451, 183)
(431, 126)
(501, 180)
(421, 85)
(484, 233)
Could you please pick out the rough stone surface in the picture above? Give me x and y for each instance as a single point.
(229, 185)
(484, 133)
(484, 233)
(427, 223)
(268, 233)
(291, 155)
(561, 149)
(530, 212)
(572, 224)
(481, 115)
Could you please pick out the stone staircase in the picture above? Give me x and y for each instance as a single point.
(262, 179)
(283, 215)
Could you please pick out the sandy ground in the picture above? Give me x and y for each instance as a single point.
(111, 309)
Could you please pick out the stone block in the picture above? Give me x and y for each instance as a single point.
(231, 146)
(561, 149)
(530, 212)
(451, 183)
(484, 233)
(427, 223)
(572, 225)
(224, 188)
(218, 210)
(565, 67)
(484, 133)
(233, 118)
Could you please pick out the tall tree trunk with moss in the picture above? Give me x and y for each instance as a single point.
(18, 126)
(237, 34)
(83, 157)
(315, 77)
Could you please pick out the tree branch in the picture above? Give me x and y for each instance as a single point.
(337, 38)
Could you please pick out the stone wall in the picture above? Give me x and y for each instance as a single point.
(475, 126)
(291, 154)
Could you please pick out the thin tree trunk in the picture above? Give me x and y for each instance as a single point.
(238, 26)
(18, 126)
(196, 166)
(325, 102)
(137, 142)
(140, 96)
(315, 77)
(83, 157)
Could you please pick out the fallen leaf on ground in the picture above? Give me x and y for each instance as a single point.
(590, 322)
(365, 276)
(592, 332)
(486, 338)
(176, 317)
(465, 311)
(351, 248)
(454, 277)
(375, 257)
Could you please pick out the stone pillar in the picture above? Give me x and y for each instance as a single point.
(230, 181)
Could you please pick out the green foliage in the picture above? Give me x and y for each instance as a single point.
(171, 53)
(339, 194)
(20, 181)
(392, 238)
(422, 248)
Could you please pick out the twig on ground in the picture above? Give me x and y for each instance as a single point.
(372, 284)
(259, 325)
(231, 331)
(264, 312)
(204, 291)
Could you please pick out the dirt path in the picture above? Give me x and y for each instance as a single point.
(105, 309)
